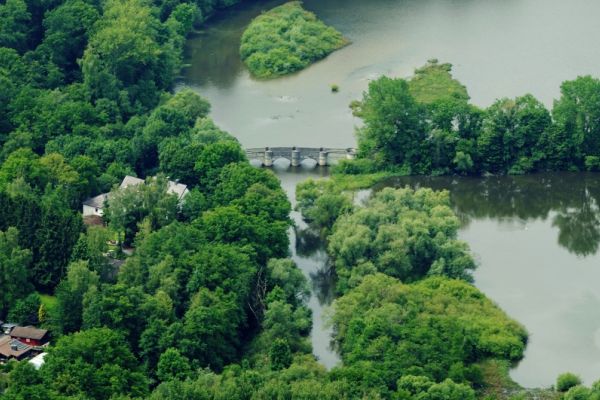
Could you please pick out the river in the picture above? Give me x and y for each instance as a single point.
(533, 236)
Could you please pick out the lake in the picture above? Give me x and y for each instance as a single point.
(535, 237)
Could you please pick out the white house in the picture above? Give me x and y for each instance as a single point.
(95, 205)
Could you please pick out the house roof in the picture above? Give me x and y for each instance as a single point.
(28, 332)
(97, 201)
(178, 189)
(130, 181)
(8, 345)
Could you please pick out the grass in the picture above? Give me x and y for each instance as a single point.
(434, 82)
(362, 181)
(287, 39)
(50, 302)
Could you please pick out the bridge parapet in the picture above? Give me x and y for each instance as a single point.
(322, 155)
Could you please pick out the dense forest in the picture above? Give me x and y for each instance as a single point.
(205, 303)
(426, 125)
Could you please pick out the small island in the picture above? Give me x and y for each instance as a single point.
(287, 39)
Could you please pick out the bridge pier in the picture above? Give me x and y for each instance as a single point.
(268, 158)
(295, 158)
(322, 158)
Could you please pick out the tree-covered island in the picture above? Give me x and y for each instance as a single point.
(287, 39)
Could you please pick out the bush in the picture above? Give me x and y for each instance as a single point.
(578, 393)
(566, 381)
(592, 163)
(356, 167)
(287, 39)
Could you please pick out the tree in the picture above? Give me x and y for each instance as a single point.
(172, 120)
(224, 266)
(284, 273)
(117, 307)
(394, 122)
(14, 20)
(67, 30)
(230, 225)
(95, 363)
(56, 236)
(430, 328)
(173, 366)
(70, 294)
(213, 158)
(211, 328)
(321, 203)
(280, 355)
(128, 206)
(15, 281)
(26, 383)
(510, 134)
(577, 114)
(128, 54)
(25, 311)
(403, 233)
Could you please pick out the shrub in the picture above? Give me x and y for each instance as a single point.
(566, 381)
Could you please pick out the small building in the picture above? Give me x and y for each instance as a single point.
(30, 335)
(94, 205)
(13, 349)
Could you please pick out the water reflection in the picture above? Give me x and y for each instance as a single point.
(309, 253)
(568, 200)
(308, 242)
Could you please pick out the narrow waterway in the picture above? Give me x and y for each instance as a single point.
(536, 238)
(309, 253)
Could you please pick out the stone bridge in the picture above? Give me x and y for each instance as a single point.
(321, 155)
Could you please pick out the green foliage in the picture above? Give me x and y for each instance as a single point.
(280, 355)
(403, 233)
(426, 126)
(14, 274)
(25, 311)
(284, 274)
(394, 124)
(433, 328)
(566, 381)
(95, 363)
(322, 203)
(128, 54)
(14, 19)
(128, 206)
(173, 365)
(70, 293)
(211, 327)
(434, 83)
(287, 39)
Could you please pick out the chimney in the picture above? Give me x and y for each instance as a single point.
(14, 347)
